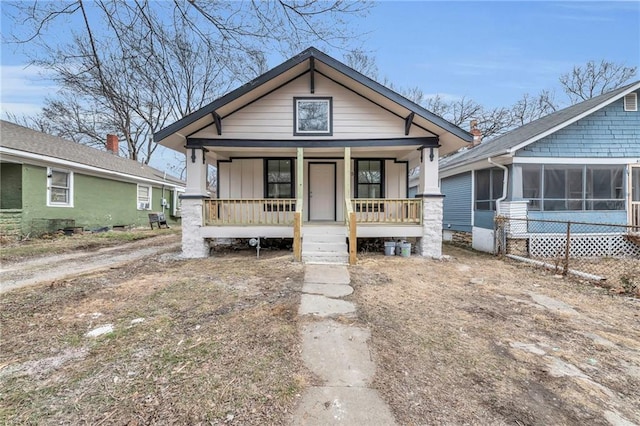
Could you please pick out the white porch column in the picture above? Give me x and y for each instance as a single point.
(347, 172)
(193, 244)
(430, 244)
(299, 175)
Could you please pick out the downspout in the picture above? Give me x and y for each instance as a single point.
(505, 180)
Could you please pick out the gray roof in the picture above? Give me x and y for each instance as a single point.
(21, 138)
(313, 53)
(532, 131)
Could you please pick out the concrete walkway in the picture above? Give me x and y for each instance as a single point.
(336, 353)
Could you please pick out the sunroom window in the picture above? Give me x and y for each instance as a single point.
(488, 185)
(571, 187)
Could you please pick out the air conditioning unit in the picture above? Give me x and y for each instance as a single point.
(143, 206)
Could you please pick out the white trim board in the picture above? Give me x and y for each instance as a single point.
(45, 160)
(566, 160)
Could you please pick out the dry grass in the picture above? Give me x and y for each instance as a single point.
(12, 250)
(218, 343)
(451, 350)
(470, 340)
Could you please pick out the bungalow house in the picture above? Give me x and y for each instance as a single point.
(49, 183)
(314, 151)
(579, 164)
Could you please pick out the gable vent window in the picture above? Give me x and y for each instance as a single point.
(631, 102)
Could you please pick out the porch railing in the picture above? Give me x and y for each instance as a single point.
(407, 211)
(269, 211)
(635, 215)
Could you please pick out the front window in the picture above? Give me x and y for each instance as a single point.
(569, 187)
(312, 116)
(59, 188)
(488, 185)
(369, 175)
(279, 178)
(144, 197)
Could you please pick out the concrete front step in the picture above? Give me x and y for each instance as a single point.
(327, 258)
(324, 245)
(317, 247)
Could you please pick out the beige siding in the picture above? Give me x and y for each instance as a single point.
(272, 116)
(241, 179)
(395, 179)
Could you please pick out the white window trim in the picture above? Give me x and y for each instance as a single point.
(138, 203)
(296, 128)
(50, 171)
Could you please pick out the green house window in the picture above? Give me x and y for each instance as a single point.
(59, 188)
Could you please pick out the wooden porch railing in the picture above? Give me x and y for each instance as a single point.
(269, 211)
(352, 231)
(407, 211)
(635, 214)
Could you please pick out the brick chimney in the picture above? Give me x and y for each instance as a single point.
(477, 134)
(112, 144)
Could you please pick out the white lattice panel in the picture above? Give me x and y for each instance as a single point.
(582, 245)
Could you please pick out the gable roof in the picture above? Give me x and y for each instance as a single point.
(309, 59)
(531, 132)
(22, 142)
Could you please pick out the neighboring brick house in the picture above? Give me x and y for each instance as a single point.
(49, 183)
(579, 164)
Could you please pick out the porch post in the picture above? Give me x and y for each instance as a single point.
(430, 243)
(300, 175)
(297, 216)
(193, 244)
(347, 172)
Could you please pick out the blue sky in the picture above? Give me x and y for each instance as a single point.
(490, 51)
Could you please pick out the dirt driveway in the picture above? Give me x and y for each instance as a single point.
(468, 340)
(49, 268)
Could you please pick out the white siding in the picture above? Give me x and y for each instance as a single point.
(271, 117)
(242, 178)
(395, 179)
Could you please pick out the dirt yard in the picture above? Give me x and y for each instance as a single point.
(475, 340)
(468, 340)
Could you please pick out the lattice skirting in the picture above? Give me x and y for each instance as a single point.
(582, 245)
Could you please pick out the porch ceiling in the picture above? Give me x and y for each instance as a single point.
(404, 153)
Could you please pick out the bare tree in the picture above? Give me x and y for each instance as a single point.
(530, 108)
(593, 79)
(134, 66)
(362, 62)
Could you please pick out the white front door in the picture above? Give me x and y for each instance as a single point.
(322, 191)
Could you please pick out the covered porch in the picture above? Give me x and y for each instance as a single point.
(344, 191)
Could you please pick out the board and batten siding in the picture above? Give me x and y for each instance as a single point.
(244, 179)
(271, 117)
(241, 178)
(458, 197)
(610, 132)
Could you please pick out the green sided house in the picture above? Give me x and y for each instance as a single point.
(48, 183)
(314, 151)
